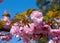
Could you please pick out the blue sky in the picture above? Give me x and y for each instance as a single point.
(16, 6)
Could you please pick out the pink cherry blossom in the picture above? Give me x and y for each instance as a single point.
(26, 32)
(5, 18)
(56, 25)
(55, 39)
(57, 20)
(15, 29)
(56, 31)
(6, 37)
(8, 21)
(29, 29)
(23, 35)
(36, 16)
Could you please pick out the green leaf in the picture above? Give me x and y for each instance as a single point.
(19, 16)
(43, 40)
(29, 11)
(2, 23)
(45, 18)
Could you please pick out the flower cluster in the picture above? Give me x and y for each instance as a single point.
(32, 27)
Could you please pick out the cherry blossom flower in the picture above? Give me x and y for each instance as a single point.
(6, 37)
(36, 16)
(15, 29)
(57, 20)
